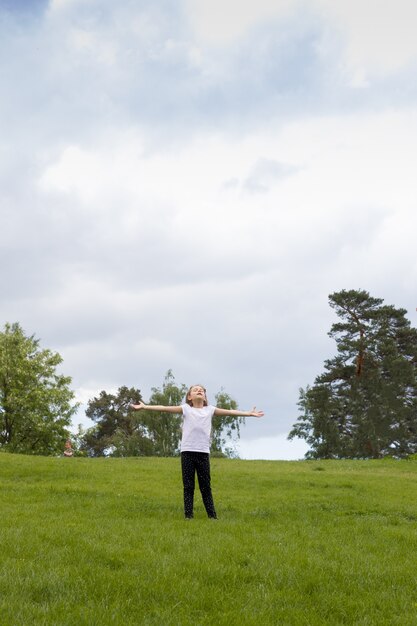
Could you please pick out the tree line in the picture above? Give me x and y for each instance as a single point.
(37, 407)
(363, 405)
(121, 431)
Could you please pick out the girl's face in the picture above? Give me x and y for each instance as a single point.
(195, 394)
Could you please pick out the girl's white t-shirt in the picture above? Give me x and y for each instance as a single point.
(196, 428)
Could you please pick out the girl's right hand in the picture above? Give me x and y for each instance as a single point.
(137, 407)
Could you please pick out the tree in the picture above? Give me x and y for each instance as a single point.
(164, 429)
(36, 403)
(120, 431)
(364, 405)
(116, 431)
(225, 429)
(78, 442)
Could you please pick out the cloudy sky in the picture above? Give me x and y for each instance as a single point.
(184, 182)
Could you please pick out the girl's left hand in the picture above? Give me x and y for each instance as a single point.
(256, 413)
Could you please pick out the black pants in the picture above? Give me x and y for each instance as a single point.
(192, 462)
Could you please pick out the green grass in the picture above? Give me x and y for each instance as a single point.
(103, 541)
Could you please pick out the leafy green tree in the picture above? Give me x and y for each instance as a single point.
(36, 402)
(225, 429)
(117, 430)
(364, 405)
(78, 442)
(164, 429)
(121, 431)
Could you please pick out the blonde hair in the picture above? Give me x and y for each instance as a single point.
(188, 401)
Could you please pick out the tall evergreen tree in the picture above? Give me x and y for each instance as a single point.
(36, 402)
(364, 405)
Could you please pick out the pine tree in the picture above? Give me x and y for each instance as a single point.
(364, 405)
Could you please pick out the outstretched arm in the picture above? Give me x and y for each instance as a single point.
(253, 413)
(157, 407)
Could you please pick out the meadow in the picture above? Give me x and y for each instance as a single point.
(103, 541)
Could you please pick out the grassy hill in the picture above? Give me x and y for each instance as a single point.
(103, 541)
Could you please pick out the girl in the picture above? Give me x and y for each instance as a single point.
(195, 443)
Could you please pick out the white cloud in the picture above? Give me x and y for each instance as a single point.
(94, 48)
(55, 6)
(372, 39)
(76, 171)
(379, 37)
(223, 21)
(349, 175)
